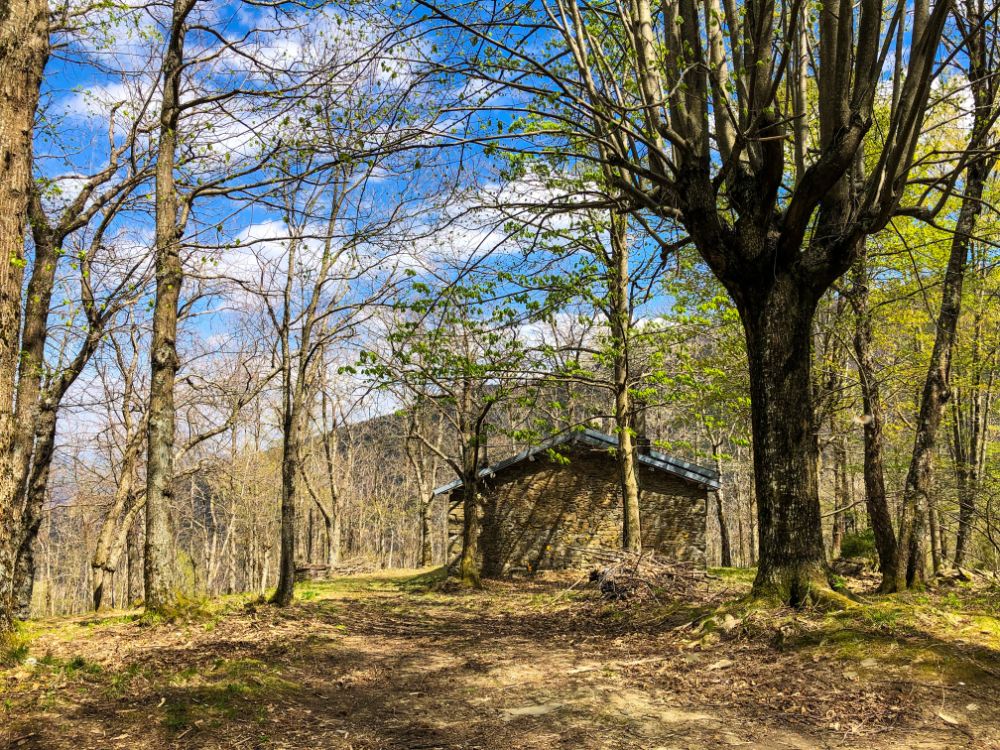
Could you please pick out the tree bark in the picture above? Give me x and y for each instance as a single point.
(778, 327)
(24, 49)
(935, 529)
(426, 542)
(292, 395)
(841, 496)
(24, 571)
(725, 546)
(289, 503)
(470, 564)
(910, 568)
(158, 550)
(969, 435)
(35, 416)
(36, 490)
(620, 315)
(876, 500)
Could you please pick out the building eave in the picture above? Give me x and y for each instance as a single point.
(700, 475)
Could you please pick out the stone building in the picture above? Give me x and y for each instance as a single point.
(559, 505)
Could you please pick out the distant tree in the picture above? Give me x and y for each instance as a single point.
(978, 39)
(457, 351)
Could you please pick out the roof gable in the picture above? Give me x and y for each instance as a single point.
(700, 475)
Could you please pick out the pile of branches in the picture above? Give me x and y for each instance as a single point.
(643, 576)
(353, 567)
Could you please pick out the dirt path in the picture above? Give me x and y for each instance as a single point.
(375, 663)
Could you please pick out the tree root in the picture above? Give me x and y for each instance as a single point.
(800, 586)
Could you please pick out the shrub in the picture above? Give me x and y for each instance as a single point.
(13, 648)
(859, 545)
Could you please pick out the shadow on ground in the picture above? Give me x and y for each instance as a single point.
(377, 664)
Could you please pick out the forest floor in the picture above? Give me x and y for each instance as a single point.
(400, 661)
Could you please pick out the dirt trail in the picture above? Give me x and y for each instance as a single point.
(371, 664)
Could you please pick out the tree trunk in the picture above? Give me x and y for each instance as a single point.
(133, 546)
(24, 572)
(110, 540)
(910, 568)
(620, 315)
(470, 563)
(740, 531)
(35, 492)
(426, 542)
(626, 459)
(265, 571)
(158, 552)
(876, 501)
(778, 327)
(841, 496)
(104, 559)
(970, 428)
(24, 48)
(966, 511)
(935, 529)
(289, 502)
(725, 546)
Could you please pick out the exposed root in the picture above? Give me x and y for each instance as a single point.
(805, 585)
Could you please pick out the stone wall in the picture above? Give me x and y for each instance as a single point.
(546, 514)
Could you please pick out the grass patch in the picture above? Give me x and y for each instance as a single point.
(735, 575)
(185, 609)
(14, 646)
(228, 690)
(121, 682)
(72, 668)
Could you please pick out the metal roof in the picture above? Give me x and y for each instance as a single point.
(700, 475)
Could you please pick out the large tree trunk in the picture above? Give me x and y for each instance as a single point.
(158, 552)
(36, 421)
(778, 327)
(876, 501)
(34, 335)
(24, 572)
(24, 48)
(910, 568)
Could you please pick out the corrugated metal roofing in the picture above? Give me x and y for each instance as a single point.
(701, 475)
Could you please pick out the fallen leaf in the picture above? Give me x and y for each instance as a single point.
(948, 719)
(720, 664)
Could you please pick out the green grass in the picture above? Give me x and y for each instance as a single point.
(120, 682)
(227, 690)
(735, 575)
(15, 646)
